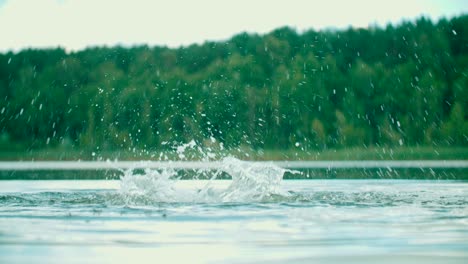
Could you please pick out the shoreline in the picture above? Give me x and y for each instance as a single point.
(351, 154)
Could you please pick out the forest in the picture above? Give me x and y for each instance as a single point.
(399, 85)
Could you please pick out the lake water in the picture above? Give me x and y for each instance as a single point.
(256, 217)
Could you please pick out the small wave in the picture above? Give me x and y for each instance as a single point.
(138, 192)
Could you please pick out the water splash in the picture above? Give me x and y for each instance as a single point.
(250, 182)
(151, 186)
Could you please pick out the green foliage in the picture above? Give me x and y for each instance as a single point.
(404, 85)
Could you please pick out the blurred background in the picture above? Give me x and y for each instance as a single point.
(262, 80)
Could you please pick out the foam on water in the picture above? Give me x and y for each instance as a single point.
(250, 182)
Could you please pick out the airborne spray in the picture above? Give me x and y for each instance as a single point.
(249, 182)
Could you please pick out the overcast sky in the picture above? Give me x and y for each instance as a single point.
(76, 24)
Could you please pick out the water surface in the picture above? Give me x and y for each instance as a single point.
(297, 221)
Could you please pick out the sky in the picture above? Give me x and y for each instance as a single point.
(77, 24)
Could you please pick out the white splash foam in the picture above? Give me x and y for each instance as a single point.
(250, 182)
(153, 185)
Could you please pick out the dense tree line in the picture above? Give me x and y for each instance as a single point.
(399, 85)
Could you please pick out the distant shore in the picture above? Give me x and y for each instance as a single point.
(371, 153)
(383, 154)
